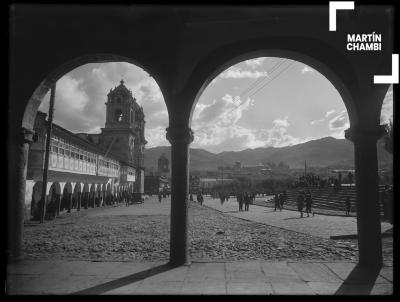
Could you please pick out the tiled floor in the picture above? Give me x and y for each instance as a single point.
(202, 278)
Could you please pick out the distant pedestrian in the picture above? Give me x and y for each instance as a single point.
(240, 201)
(200, 198)
(247, 198)
(300, 203)
(348, 206)
(308, 201)
(159, 197)
(221, 197)
(276, 201)
(282, 199)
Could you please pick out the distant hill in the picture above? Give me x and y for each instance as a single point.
(322, 152)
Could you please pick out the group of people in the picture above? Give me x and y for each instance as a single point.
(244, 198)
(304, 198)
(279, 200)
(162, 194)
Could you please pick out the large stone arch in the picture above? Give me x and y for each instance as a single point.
(333, 65)
(54, 75)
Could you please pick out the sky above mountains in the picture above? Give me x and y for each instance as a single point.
(257, 103)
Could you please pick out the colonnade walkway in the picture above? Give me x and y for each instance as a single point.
(62, 277)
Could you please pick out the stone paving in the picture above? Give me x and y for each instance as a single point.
(141, 232)
(232, 278)
(318, 225)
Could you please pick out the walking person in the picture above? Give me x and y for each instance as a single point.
(240, 200)
(282, 199)
(221, 198)
(348, 206)
(276, 201)
(300, 203)
(159, 197)
(247, 198)
(308, 200)
(200, 198)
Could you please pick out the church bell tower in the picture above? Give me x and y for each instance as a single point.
(123, 134)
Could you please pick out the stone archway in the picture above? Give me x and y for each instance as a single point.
(43, 88)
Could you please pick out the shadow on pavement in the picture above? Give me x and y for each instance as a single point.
(105, 287)
(360, 281)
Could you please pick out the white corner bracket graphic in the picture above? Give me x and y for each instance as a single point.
(333, 7)
(390, 79)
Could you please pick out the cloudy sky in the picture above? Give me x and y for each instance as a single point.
(256, 103)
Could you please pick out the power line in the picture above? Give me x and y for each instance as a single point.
(283, 70)
(233, 109)
(259, 80)
(255, 92)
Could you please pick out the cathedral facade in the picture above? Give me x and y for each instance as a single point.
(88, 170)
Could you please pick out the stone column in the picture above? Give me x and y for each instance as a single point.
(180, 138)
(17, 168)
(367, 192)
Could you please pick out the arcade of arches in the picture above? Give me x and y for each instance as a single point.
(184, 48)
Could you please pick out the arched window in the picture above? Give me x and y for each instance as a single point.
(118, 115)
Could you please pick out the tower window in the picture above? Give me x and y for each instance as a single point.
(118, 115)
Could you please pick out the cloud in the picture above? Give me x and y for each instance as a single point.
(237, 73)
(317, 121)
(224, 111)
(328, 113)
(278, 136)
(81, 95)
(254, 63)
(307, 69)
(156, 137)
(221, 137)
(339, 124)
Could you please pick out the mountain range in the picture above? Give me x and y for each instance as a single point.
(324, 152)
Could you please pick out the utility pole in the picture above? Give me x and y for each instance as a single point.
(47, 152)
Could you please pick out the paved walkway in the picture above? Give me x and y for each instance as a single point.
(319, 225)
(157, 278)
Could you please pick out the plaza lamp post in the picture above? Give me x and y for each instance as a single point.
(47, 152)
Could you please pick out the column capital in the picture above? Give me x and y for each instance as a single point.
(365, 134)
(184, 134)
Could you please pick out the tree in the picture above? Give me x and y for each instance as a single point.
(388, 139)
